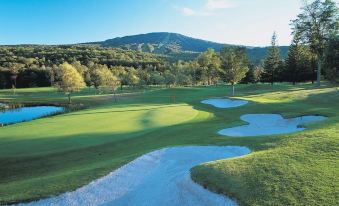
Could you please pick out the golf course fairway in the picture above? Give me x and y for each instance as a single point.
(54, 155)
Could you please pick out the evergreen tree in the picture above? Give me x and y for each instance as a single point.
(298, 62)
(315, 25)
(272, 61)
(249, 78)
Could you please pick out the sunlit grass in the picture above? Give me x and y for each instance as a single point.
(57, 154)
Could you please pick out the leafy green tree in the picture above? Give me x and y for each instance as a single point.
(183, 79)
(314, 25)
(195, 72)
(331, 61)
(156, 78)
(271, 63)
(249, 77)
(71, 80)
(106, 79)
(103, 79)
(132, 78)
(210, 63)
(51, 75)
(169, 78)
(121, 73)
(234, 65)
(2, 81)
(88, 79)
(82, 69)
(257, 73)
(144, 76)
(182, 71)
(95, 75)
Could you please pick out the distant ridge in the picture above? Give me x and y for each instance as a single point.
(175, 44)
(162, 42)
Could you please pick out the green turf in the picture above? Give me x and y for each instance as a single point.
(61, 153)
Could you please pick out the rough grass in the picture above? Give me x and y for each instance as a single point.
(299, 169)
(57, 154)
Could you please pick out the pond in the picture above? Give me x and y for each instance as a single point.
(23, 114)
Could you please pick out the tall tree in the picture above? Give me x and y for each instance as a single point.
(257, 73)
(210, 62)
(71, 80)
(194, 68)
(234, 65)
(169, 78)
(272, 61)
(144, 76)
(331, 61)
(107, 80)
(314, 25)
(156, 78)
(298, 63)
(132, 77)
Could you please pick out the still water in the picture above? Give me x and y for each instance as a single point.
(27, 114)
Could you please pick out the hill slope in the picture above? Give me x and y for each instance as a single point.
(178, 46)
(162, 42)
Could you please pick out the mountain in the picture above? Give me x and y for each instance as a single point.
(162, 43)
(178, 46)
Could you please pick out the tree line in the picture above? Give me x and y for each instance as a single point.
(312, 54)
(33, 65)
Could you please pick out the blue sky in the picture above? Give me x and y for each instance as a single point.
(245, 22)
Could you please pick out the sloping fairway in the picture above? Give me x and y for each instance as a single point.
(90, 127)
(57, 154)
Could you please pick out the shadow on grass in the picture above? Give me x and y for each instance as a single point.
(94, 155)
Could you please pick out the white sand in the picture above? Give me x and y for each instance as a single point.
(268, 124)
(158, 178)
(225, 103)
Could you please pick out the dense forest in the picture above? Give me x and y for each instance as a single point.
(32, 65)
(37, 66)
(313, 55)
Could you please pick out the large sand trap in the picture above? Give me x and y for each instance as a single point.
(225, 103)
(268, 124)
(158, 178)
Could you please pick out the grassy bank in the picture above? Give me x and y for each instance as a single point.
(57, 154)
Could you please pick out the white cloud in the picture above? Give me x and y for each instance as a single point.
(191, 12)
(188, 11)
(209, 8)
(219, 4)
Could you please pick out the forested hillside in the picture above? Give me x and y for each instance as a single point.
(179, 47)
(34, 65)
(39, 65)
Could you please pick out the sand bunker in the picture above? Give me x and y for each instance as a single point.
(158, 178)
(225, 103)
(268, 124)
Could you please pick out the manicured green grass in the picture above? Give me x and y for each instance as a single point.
(61, 153)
